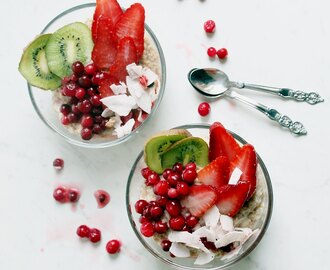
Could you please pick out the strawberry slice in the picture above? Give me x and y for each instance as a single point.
(105, 47)
(232, 198)
(246, 161)
(200, 199)
(126, 54)
(216, 173)
(108, 8)
(131, 24)
(222, 143)
(104, 85)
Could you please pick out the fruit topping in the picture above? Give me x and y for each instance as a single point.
(222, 53)
(102, 198)
(113, 246)
(94, 235)
(200, 199)
(209, 26)
(232, 197)
(58, 164)
(211, 51)
(222, 143)
(83, 231)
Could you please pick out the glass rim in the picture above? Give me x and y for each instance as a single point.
(263, 228)
(105, 144)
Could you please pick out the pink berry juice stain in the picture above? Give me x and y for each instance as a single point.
(102, 198)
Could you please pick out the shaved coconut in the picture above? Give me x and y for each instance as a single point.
(150, 75)
(144, 102)
(204, 232)
(134, 71)
(218, 232)
(179, 250)
(235, 176)
(247, 231)
(227, 223)
(179, 237)
(211, 217)
(118, 88)
(204, 258)
(125, 129)
(229, 238)
(107, 113)
(120, 104)
(134, 87)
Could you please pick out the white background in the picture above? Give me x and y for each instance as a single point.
(278, 43)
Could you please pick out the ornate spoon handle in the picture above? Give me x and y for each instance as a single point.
(294, 127)
(311, 98)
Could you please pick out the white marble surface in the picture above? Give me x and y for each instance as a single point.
(280, 43)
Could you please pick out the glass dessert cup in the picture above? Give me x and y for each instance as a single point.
(261, 221)
(43, 100)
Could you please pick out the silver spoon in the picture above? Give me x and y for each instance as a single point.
(214, 83)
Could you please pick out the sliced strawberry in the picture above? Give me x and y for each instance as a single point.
(126, 54)
(200, 199)
(232, 198)
(108, 8)
(246, 161)
(131, 24)
(104, 86)
(222, 143)
(216, 173)
(105, 47)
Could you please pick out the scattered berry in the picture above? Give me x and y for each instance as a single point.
(113, 246)
(191, 221)
(204, 109)
(145, 172)
(222, 53)
(59, 194)
(182, 188)
(58, 163)
(161, 188)
(65, 109)
(173, 208)
(90, 69)
(102, 198)
(94, 235)
(83, 231)
(73, 195)
(86, 133)
(172, 193)
(209, 26)
(166, 245)
(212, 52)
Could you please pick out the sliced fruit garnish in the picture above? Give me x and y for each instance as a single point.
(200, 199)
(104, 86)
(216, 173)
(108, 8)
(246, 161)
(126, 54)
(232, 197)
(105, 48)
(222, 143)
(131, 24)
(34, 67)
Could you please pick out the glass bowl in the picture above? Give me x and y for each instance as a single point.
(136, 182)
(42, 100)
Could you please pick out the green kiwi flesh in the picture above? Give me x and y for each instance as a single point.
(33, 65)
(156, 145)
(67, 45)
(191, 149)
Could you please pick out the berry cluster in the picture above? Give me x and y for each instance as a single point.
(94, 235)
(169, 188)
(221, 53)
(63, 194)
(84, 106)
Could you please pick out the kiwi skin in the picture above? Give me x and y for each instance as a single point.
(157, 144)
(192, 149)
(34, 67)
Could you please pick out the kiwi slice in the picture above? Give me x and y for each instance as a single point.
(33, 65)
(159, 143)
(191, 149)
(69, 44)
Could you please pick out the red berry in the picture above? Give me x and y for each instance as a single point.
(75, 109)
(84, 106)
(83, 231)
(58, 163)
(212, 52)
(84, 81)
(80, 93)
(140, 205)
(59, 194)
(162, 200)
(177, 167)
(95, 100)
(113, 246)
(143, 219)
(147, 229)
(222, 53)
(97, 129)
(204, 109)
(65, 120)
(153, 179)
(65, 109)
(73, 195)
(87, 121)
(189, 175)
(94, 235)
(78, 68)
(156, 212)
(86, 133)
(209, 26)
(166, 173)
(191, 221)
(173, 178)
(172, 193)
(69, 90)
(173, 208)
(90, 69)
(73, 118)
(166, 245)
(161, 188)
(191, 165)
(145, 172)
(91, 91)
(182, 188)
(160, 227)
(177, 223)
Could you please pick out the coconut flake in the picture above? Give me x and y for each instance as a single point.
(134, 87)
(150, 75)
(107, 113)
(227, 223)
(118, 88)
(134, 71)
(179, 237)
(235, 176)
(211, 217)
(120, 104)
(125, 129)
(179, 250)
(204, 258)
(205, 232)
(230, 237)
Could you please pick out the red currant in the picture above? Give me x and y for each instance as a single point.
(113, 246)
(173, 208)
(147, 229)
(182, 188)
(160, 227)
(161, 188)
(222, 53)
(83, 231)
(58, 163)
(94, 235)
(189, 175)
(204, 109)
(191, 221)
(166, 245)
(140, 205)
(212, 52)
(177, 223)
(145, 172)
(209, 26)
